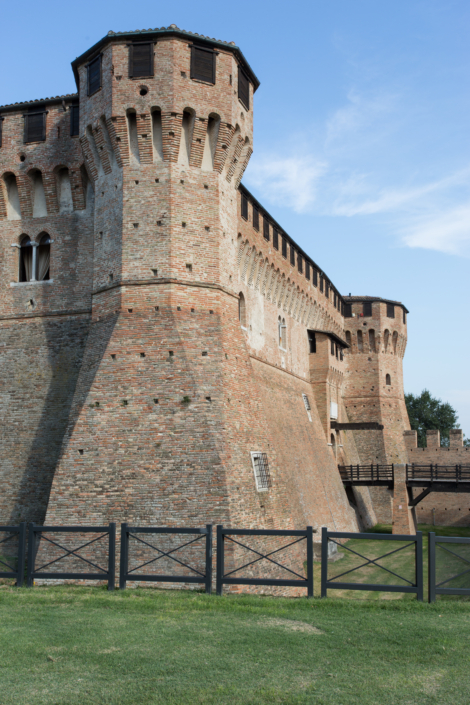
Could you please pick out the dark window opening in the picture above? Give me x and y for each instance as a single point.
(242, 310)
(315, 277)
(284, 247)
(43, 258)
(332, 347)
(367, 309)
(307, 270)
(388, 380)
(334, 299)
(300, 265)
(292, 256)
(348, 310)
(35, 126)
(1, 130)
(244, 207)
(322, 284)
(255, 218)
(94, 75)
(327, 289)
(141, 60)
(404, 312)
(203, 64)
(26, 260)
(312, 342)
(266, 229)
(243, 88)
(275, 239)
(390, 311)
(74, 120)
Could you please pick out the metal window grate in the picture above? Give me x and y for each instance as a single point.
(261, 470)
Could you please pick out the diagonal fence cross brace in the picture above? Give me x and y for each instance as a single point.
(166, 554)
(371, 560)
(72, 552)
(264, 556)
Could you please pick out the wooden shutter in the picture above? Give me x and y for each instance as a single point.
(266, 229)
(321, 284)
(203, 64)
(390, 311)
(244, 207)
(348, 310)
(292, 256)
(334, 299)
(307, 270)
(1, 130)
(74, 120)
(141, 60)
(327, 289)
(404, 312)
(315, 277)
(367, 309)
(284, 247)
(255, 218)
(35, 127)
(94, 75)
(243, 88)
(299, 262)
(275, 239)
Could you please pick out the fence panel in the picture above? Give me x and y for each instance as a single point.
(11, 554)
(51, 552)
(195, 568)
(413, 586)
(263, 552)
(443, 562)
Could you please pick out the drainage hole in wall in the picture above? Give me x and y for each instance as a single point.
(159, 222)
(155, 272)
(143, 91)
(204, 354)
(129, 310)
(192, 310)
(136, 225)
(155, 401)
(178, 308)
(170, 353)
(189, 267)
(113, 356)
(124, 402)
(142, 354)
(208, 399)
(206, 186)
(81, 451)
(211, 311)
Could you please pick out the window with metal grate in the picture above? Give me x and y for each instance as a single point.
(203, 64)
(243, 88)
(74, 120)
(255, 218)
(261, 471)
(94, 75)
(367, 309)
(35, 126)
(284, 247)
(275, 239)
(390, 311)
(266, 229)
(244, 207)
(141, 59)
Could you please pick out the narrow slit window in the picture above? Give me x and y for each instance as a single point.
(327, 289)
(35, 126)
(300, 266)
(255, 218)
(261, 471)
(203, 64)
(1, 130)
(312, 342)
(243, 88)
(284, 247)
(275, 239)
(390, 311)
(322, 284)
(94, 75)
(141, 60)
(244, 207)
(404, 312)
(242, 310)
(307, 270)
(266, 229)
(315, 277)
(292, 256)
(388, 380)
(74, 120)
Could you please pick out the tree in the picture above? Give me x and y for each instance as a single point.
(428, 413)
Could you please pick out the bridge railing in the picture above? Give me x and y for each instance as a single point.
(366, 474)
(438, 473)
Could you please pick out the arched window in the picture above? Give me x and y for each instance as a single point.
(187, 127)
(13, 197)
(64, 189)
(348, 337)
(395, 341)
(388, 380)
(386, 340)
(210, 144)
(333, 443)
(38, 193)
(242, 310)
(282, 333)
(360, 345)
(44, 258)
(372, 340)
(26, 260)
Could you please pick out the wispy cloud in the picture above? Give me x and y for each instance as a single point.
(447, 231)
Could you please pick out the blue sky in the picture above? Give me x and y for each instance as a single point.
(361, 150)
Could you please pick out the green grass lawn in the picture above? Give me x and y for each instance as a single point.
(81, 645)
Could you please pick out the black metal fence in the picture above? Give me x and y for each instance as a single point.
(12, 552)
(367, 475)
(225, 536)
(446, 563)
(410, 586)
(42, 546)
(192, 572)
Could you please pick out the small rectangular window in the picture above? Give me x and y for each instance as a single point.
(203, 64)
(300, 265)
(312, 341)
(266, 229)
(1, 130)
(275, 239)
(348, 310)
(244, 207)
(141, 60)
(94, 75)
(255, 218)
(367, 309)
(243, 88)
(327, 289)
(390, 311)
(315, 277)
(307, 270)
(404, 312)
(292, 256)
(334, 299)
(284, 247)
(261, 471)
(35, 127)
(74, 120)
(332, 347)
(322, 284)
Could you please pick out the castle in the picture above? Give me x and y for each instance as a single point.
(170, 355)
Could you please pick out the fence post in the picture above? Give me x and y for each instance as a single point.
(432, 567)
(123, 564)
(21, 556)
(209, 559)
(419, 565)
(324, 559)
(220, 559)
(112, 556)
(309, 561)
(29, 579)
